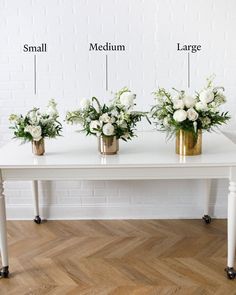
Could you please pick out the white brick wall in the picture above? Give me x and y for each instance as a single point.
(68, 71)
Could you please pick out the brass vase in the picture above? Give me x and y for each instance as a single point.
(188, 143)
(108, 145)
(38, 147)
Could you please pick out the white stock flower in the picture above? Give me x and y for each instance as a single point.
(178, 104)
(180, 115)
(189, 101)
(200, 106)
(206, 96)
(192, 114)
(108, 129)
(35, 132)
(127, 99)
(84, 103)
(165, 122)
(52, 108)
(94, 125)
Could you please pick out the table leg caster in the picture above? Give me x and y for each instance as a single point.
(231, 273)
(37, 219)
(207, 219)
(4, 272)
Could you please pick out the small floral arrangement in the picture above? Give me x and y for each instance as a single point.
(177, 111)
(114, 119)
(35, 126)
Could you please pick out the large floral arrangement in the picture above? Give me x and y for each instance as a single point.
(114, 119)
(179, 110)
(35, 125)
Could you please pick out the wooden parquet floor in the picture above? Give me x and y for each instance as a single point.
(138, 257)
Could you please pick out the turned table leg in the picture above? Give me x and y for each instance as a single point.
(207, 191)
(231, 273)
(35, 190)
(4, 272)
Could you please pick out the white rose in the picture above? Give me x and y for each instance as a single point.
(84, 103)
(36, 133)
(112, 120)
(200, 106)
(206, 96)
(192, 114)
(28, 128)
(105, 118)
(94, 125)
(180, 115)
(127, 99)
(189, 101)
(178, 104)
(108, 129)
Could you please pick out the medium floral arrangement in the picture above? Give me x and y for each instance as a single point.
(114, 119)
(35, 126)
(180, 111)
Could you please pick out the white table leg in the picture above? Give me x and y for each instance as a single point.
(35, 190)
(4, 272)
(207, 191)
(231, 230)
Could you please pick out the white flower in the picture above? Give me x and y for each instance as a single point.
(189, 101)
(206, 121)
(127, 99)
(114, 113)
(105, 118)
(200, 106)
(52, 108)
(180, 115)
(94, 125)
(35, 132)
(220, 98)
(206, 96)
(33, 117)
(28, 128)
(112, 120)
(108, 129)
(192, 114)
(165, 122)
(84, 103)
(178, 104)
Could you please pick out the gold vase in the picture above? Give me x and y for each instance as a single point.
(188, 143)
(38, 147)
(108, 145)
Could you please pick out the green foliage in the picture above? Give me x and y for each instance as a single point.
(114, 119)
(35, 125)
(173, 112)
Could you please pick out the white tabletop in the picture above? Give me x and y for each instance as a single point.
(149, 149)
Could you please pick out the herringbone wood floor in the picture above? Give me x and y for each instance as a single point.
(139, 257)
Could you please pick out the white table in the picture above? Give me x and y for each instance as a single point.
(147, 157)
